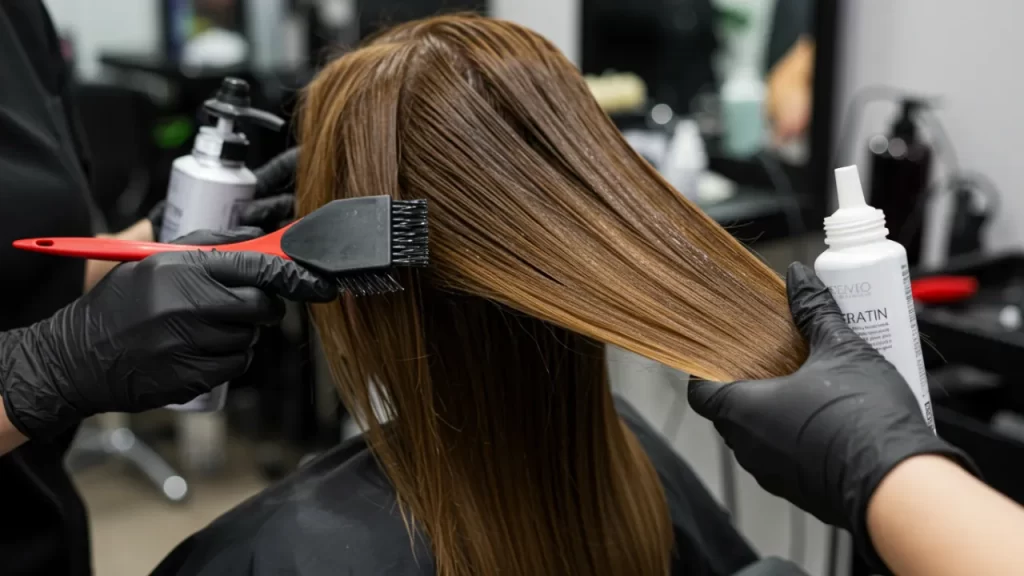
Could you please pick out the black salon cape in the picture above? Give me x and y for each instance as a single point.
(338, 515)
(43, 192)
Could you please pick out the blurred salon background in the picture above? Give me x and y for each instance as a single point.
(745, 106)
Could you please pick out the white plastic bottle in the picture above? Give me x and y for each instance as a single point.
(868, 275)
(686, 160)
(742, 101)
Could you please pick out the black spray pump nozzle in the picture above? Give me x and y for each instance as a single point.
(905, 125)
(232, 103)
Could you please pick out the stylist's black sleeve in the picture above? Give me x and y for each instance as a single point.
(43, 192)
(43, 183)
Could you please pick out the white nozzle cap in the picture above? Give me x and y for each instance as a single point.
(851, 194)
(854, 222)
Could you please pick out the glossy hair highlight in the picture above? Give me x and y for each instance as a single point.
(549, 236)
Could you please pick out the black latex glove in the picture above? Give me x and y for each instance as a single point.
(824, 437)
(278, 175)
(156, 217)
(151, 333)
(273, 204)
(269, 214)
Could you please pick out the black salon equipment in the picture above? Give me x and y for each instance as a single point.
(900, 165)
(968, 220)
(979, 332)
(975, 200)
(670, 45)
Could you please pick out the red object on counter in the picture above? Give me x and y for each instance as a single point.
(944, 289)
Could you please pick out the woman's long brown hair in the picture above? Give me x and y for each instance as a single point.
(549, 236)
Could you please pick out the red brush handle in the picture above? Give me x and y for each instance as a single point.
(131, 251)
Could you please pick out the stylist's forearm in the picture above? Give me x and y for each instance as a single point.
(10, 438)
(95, 270)
(930, 517)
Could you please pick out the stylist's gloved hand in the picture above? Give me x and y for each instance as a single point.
(151, 333)
(824, 437)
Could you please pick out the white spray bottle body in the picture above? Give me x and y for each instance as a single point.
(869, 277)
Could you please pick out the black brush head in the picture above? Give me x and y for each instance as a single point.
(360, 240)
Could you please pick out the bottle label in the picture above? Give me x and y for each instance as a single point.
(197, 204)
(194, 204)
(877, 304)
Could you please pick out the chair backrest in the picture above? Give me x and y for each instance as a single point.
(117, 123)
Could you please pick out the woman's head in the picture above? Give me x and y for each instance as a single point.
(548, 236)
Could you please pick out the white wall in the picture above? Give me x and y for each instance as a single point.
(96, 26)
(966, 52)
(557, 20)
(134, 25)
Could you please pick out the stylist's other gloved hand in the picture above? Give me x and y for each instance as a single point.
(824, 437)
(274, 203)
(151, 333)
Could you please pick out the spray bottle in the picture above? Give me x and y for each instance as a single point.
(686, 159)
(207, 186)
(901, 164)
(868, 275)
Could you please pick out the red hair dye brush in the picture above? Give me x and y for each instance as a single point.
(357, 241)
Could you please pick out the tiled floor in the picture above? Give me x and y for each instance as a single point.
(133, 528)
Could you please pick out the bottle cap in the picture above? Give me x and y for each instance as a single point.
(232, 103)
(851, 194)
(855, 222)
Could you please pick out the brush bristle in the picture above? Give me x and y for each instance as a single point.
(409, 246)
(369, 283)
